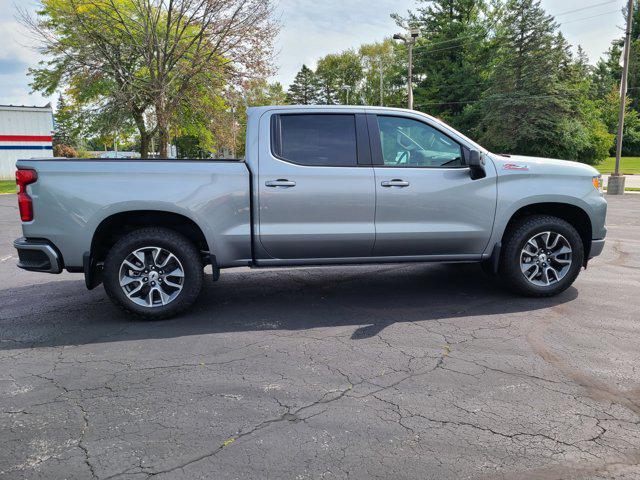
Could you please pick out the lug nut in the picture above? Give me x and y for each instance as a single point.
(153, 284)
(145, 279)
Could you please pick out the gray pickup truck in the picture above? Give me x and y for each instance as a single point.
(319, 186)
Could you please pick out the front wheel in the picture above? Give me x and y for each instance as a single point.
(542, 257)
(154, 273)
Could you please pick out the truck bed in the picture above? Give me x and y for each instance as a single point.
(72, 197)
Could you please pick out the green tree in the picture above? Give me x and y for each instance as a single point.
(304, 89)
(339, 76)
(255, 93)
(452, 56)
(536, 103)
(608, 72)
(150, 56)
(383, 67)
(67, 127)
(609, 107)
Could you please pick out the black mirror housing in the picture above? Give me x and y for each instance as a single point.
(476, 163)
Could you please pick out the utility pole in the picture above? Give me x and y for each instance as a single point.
(616, 181)
(381, 83)
(409, 41)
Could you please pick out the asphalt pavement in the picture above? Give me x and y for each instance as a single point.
(390, 372)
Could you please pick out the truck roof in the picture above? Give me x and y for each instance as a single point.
(329, 107)
(258, 111)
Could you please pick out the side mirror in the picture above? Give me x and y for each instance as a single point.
(476, 164)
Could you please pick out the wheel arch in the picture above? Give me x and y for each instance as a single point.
(572, 214)
(118, 224)
(113, 227)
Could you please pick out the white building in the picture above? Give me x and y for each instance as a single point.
(25, 132)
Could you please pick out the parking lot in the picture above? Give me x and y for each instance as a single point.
(394, 371)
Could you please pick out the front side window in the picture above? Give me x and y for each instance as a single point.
(318, 140)
(410, 143)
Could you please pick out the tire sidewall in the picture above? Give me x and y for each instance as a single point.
(175, 243)
(512, 271)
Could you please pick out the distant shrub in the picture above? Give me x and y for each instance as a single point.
(64, 151)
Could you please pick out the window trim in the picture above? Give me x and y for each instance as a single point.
(363, 150)
(376, 143)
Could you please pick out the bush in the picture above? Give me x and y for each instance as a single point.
(64, 151)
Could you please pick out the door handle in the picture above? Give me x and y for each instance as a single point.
(396, 182)
(281, 182)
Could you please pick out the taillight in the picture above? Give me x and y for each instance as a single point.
(25, 203)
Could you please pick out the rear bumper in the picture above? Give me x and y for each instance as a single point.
(38, 256)
(596, 248)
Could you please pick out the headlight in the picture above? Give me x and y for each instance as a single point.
(598, 183)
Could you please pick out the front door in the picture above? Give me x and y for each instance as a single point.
(316, 187)
(426, 202)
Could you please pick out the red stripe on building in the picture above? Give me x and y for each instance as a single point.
(25, 138)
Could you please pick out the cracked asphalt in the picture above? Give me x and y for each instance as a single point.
(394, 371)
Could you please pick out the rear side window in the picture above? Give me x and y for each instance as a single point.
(316, 140)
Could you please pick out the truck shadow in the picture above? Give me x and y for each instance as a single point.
(369, 298)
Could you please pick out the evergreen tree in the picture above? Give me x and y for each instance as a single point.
(304, 89)
(608, 72)
(452, 55)
(531, 106)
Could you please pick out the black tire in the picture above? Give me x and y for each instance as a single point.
(178, 245)
(515, 239)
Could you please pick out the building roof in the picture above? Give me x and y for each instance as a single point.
(25, 107)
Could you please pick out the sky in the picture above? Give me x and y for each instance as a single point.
(311, 29)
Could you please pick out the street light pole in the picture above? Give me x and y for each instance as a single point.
(410, 41)
(410, 75)
(616, 181)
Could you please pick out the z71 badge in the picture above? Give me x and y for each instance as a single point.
(515, 166)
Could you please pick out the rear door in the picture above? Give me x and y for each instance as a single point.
(316, 185)
(426, 202)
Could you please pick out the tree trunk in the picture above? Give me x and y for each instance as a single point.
(138, 117)
(163, 134)
(162, 122)
(145, 140)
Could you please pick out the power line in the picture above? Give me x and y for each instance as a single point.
(585, 8)
(473, 35)
(593, 16)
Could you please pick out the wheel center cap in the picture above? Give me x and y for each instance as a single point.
(542, 257)
(153, 276)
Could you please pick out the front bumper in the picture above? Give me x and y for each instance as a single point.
(596, 248)
(37, 256)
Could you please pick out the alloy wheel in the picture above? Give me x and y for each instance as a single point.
(546, 258)
(151, 277)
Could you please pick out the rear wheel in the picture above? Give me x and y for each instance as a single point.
(154, 273)
(542, 257)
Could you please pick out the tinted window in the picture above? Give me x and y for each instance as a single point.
(324, 140)
(409, 143)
